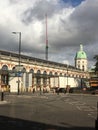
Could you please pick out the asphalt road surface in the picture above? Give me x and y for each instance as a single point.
(49, 111)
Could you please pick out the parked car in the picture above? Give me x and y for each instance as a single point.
(76, 90)
(61, 90)
(94, 91)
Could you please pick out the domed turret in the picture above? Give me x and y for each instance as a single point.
(81, 59)
(81, 54)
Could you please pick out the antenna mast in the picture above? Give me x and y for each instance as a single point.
(46, 40)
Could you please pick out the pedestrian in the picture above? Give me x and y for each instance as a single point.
(33, 90)
(58, 90)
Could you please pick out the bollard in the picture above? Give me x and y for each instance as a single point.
(96, 121)
(2, 96)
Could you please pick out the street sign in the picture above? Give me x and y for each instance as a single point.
(19, 74)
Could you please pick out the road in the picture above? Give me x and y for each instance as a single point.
(49, 111)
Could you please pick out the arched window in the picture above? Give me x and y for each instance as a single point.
(13, 69)
(83, 67)
(38, 72)
(4, 75)
(32, 71)
(45, 78)
(45, 73)
(4, 67)
(79, 66)
(50, 74)
(38, 80)
(55, 74)
(24, 70)
(60, 74)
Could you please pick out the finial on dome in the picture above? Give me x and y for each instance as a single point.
(81, 47)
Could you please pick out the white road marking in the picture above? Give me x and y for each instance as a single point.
(82, 106)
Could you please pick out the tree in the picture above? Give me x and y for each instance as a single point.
(96, 64)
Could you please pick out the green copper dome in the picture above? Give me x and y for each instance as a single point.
(81, 54)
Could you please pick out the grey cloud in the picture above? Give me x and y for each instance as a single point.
(38, 11)
(5, 41)
(85, 20)
(13, 1)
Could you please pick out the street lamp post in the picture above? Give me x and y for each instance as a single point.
(67, 80)
(19, 33)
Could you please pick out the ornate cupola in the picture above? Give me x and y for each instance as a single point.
(81, 59)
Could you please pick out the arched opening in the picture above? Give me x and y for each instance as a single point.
(4, 77)
(32, 71)
(44, 79)
(83, 67)
(60, 74)
(38, 80)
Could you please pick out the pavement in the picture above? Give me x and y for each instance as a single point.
(4, 102)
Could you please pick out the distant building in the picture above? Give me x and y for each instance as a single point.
(81, 59)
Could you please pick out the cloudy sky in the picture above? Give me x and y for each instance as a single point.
(69, 23)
